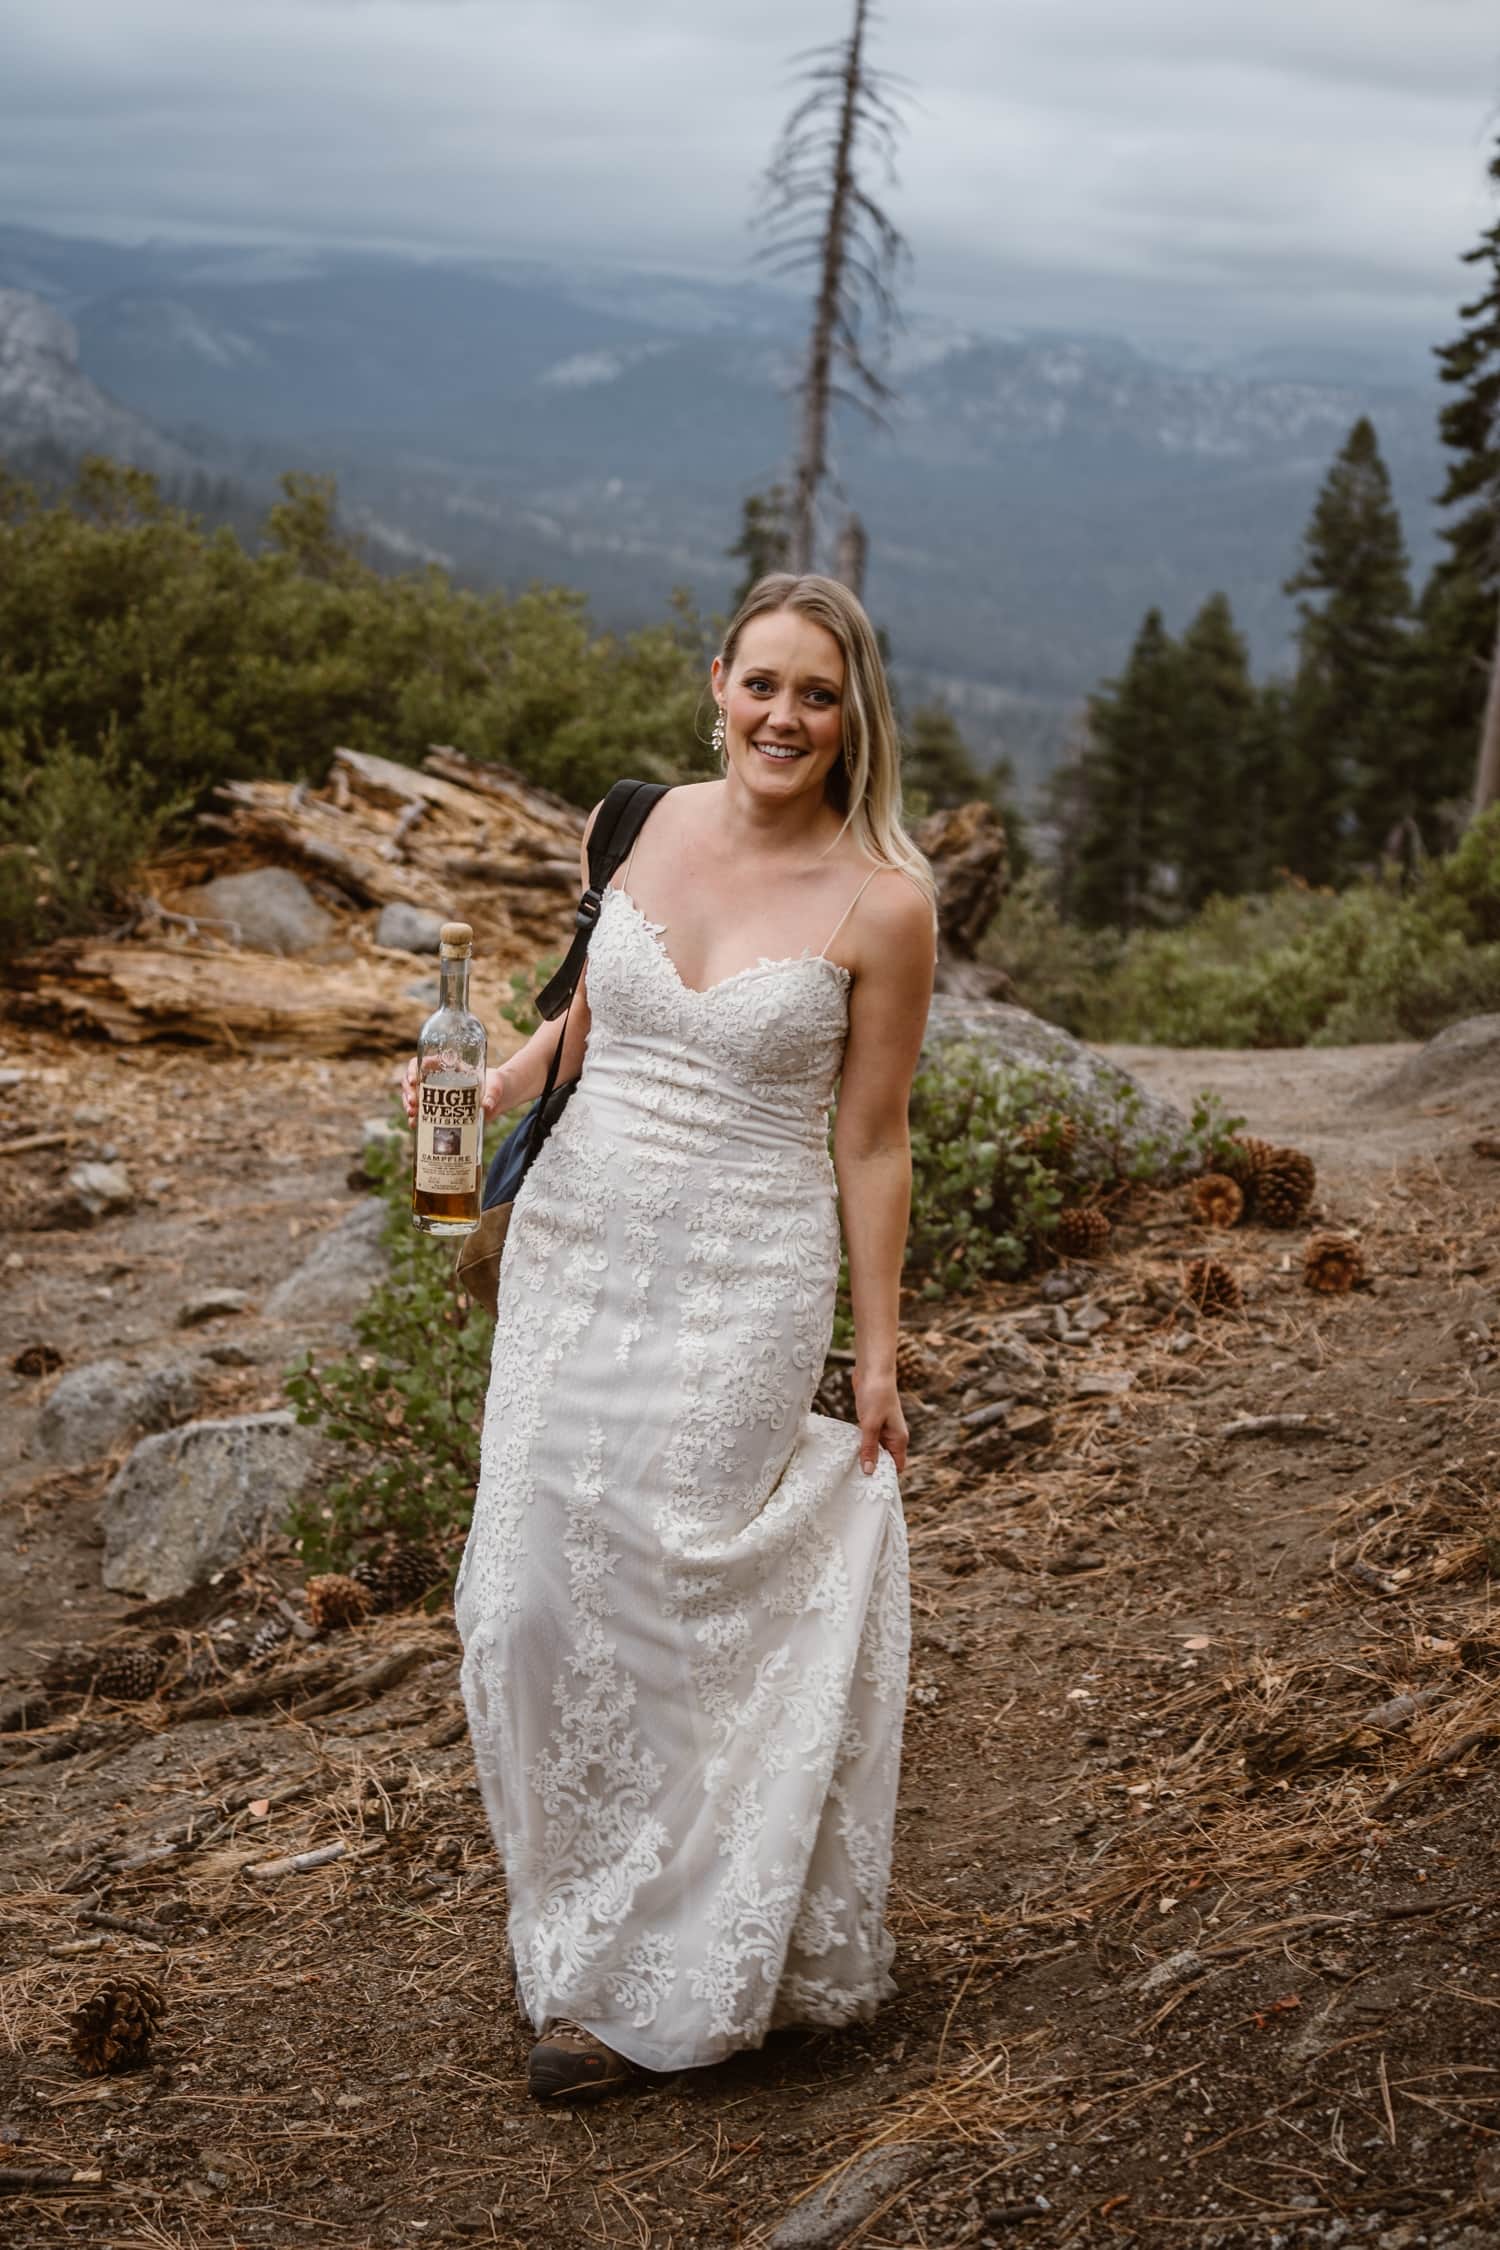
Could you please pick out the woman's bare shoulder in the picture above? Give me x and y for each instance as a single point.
(895, 910)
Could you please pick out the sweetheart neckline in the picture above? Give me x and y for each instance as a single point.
(654, 930)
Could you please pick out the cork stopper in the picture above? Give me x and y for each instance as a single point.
(455, 940)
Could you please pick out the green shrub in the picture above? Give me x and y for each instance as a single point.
(1300, 967)
(76, 826)
(405, 1408)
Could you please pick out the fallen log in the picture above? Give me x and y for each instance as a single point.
(136, 993)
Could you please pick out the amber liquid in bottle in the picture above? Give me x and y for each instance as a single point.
(447, 1163)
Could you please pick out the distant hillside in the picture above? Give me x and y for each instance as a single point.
(47, 404)
(1033, 496)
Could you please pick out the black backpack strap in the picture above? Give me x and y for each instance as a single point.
(622, 815)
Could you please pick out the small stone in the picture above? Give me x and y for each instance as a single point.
(211, 1304)
(379, 1132)
(1089, 1319)
(232, 1355)
(1057, 1288)
(97, 1190)
(1175, 1969)
(1102, 1382)
(832, 2213)
(409, 929)
(1030, 1425)
(428, 991)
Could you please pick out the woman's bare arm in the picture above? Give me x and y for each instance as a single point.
(872, 1144)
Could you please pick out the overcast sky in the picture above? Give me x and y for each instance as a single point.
(1204, 171)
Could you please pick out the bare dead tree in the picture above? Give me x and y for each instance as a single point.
(823, 219)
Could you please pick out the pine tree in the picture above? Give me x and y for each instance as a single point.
(1263, 807)
(1120, 877)
(1461, 645)
(764, 543)
(937, 765)
(1351, 764)
(1215, 706)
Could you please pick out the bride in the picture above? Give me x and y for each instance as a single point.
(683, 1600)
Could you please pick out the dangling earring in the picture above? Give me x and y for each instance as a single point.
(720, 730)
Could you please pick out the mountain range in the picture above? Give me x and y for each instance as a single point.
(1030, 497)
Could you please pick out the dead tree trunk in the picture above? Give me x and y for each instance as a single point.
(851, 247)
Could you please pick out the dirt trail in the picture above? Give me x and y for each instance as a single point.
(1194, 1895)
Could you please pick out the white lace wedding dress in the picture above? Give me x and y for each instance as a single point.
(683, 1604)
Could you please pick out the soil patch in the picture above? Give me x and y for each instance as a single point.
(1195, 1891)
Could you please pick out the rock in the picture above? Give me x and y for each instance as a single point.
(966, 847)
(1103, 1382)
(825, 2218)
(1175, 1969)
(335, 1281)
(97, 1190)
(409, 929)
(211, 1304)
(1115, 1112)
(91, 1408)
(1030, 1425)
(379, 1132)
(232, 1355)
(188, 1503)
(1061, 1287)
(427, 992)
(270, 910)
(1464, 1059)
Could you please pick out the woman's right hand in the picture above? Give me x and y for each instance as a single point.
(494, 1098)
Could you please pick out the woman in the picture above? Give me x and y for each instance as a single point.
(683, 1600)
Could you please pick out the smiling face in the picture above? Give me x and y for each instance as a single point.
(782, 696)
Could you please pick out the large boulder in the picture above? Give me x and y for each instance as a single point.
(1120, 1120)
(334, 1282)
(409, 929)
(967, 850)
(188, 1503)
(91, 1408)
(270, 910)
(1463, 1061)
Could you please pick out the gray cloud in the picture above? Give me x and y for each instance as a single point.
(1302, 168)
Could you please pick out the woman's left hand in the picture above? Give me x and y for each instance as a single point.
(881, 1421)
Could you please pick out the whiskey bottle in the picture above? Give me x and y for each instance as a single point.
(450, 1087)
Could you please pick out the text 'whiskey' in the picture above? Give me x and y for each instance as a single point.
(450, 1088)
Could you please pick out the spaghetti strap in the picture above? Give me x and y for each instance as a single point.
(849, 909)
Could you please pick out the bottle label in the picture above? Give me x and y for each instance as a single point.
(448, 1138)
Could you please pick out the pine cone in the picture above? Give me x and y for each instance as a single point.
(1082, 1232)
(1333, 1263)
(1052, 1136)
(114, 2027)
(335, 1600)
(400, 1577)
(913, 1367)
(1211, 1286)
(266, 1639)
(1243, 1158)
(1217, 1200)
(128, 1674)
(1284, 1185)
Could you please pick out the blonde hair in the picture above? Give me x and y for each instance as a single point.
(865, 786)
